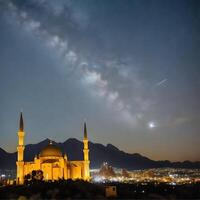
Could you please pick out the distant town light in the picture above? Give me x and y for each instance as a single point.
(99, 179)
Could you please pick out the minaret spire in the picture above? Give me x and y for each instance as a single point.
(20, 152)
(85, 131)
(86, 154)
(21, 123)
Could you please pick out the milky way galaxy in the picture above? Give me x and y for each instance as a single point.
(129, 68)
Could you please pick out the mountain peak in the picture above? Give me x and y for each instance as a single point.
(112, 147)
(72, 140)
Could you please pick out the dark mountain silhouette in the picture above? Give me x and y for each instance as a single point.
(98, 154)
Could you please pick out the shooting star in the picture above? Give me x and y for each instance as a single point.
(161, 82)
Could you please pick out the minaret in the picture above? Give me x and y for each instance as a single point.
(86, 155)
(20, 151)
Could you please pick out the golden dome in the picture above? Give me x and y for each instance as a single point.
(51, 150)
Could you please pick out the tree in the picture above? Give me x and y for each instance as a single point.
(34, 176)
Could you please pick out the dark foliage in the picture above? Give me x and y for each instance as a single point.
(84, 190)
(57, 190)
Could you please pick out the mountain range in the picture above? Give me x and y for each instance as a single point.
(98, 154)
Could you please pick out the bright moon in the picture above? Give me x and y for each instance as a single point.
(151, 125)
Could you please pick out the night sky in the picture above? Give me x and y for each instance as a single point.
(130, 69)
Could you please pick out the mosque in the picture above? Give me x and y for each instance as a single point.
(51, 161)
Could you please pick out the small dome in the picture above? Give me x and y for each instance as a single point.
(51, 150)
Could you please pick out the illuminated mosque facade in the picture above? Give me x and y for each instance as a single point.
(51, 161)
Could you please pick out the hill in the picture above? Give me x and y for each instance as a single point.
(98, 154)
